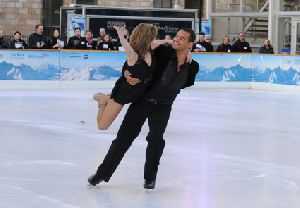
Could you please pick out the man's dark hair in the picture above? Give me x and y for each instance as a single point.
(38, 25)
(17, 32)
(202, 33)
(77, 28)
(192, 34)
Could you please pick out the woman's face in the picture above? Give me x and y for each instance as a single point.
(56, 33)
(106, 38)
(88, 35)
(266, 42)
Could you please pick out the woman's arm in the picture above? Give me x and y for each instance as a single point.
(156, 43)
(131, 55)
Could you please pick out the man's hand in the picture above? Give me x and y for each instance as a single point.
(131, 80)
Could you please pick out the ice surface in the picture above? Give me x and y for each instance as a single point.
(230, 148)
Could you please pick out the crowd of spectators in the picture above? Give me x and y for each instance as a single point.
(38, 40)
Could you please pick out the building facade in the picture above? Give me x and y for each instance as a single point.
(23, 15)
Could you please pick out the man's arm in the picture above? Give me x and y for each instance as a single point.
(31, 41)
(193, 70)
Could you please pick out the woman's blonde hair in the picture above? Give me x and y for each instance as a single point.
(141, 38)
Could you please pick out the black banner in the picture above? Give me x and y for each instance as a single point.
(165, 27)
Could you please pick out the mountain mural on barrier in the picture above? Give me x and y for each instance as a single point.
(232, 74)
(277, 75)
(9, 71)
(240, 74)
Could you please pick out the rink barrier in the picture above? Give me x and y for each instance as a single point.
(64, 68)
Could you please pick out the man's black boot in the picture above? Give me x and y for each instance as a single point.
(149, 184)
(94, 179)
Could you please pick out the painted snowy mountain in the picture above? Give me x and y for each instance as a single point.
(240, 74)
(9, 71)
(277, 75)
(232, 74)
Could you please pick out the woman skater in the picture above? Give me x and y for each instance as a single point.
(139, 64)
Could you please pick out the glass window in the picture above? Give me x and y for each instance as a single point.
(162, 3)
(255, 5)
(225, 5)
(192, 4)
(90, 2)
(51, 15)
(290, 5)
(284, 36)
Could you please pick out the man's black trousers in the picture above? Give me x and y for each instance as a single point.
(137, 113)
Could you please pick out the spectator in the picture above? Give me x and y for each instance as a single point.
(17, 42)
(210, 47)
(107, 44)
(90, 43)
(3, 42)
(77, 42)
(102, 33)
(266, 48)
(241, 45)
(201, 45)
(38, 40)
(225, 46)
(56, 41)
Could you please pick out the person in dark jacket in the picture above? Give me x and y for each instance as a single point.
(56, 41)
(107, 44)
(38, 40)
(172, 73)
(77, 42)
(3, 42)
(17, 42)
(210, 47)
(225, 46)
(241, 45)
(202, 45)
(266, 48)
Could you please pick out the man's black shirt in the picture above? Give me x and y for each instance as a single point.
(224, 48)
(37, 41)
(3, 43)
(243, 47)
(167, 81)
(77, 43)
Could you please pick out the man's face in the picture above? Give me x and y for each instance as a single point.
(226, 40)
(181, 41)
(77, 33)
(241, 37)
(201, 38)
(40, 30)
(1, 33)
(102, 32)
(208, 39)
(17, 36)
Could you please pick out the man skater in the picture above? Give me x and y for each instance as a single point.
(171, 74)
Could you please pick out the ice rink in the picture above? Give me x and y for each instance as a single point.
(225, 148)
